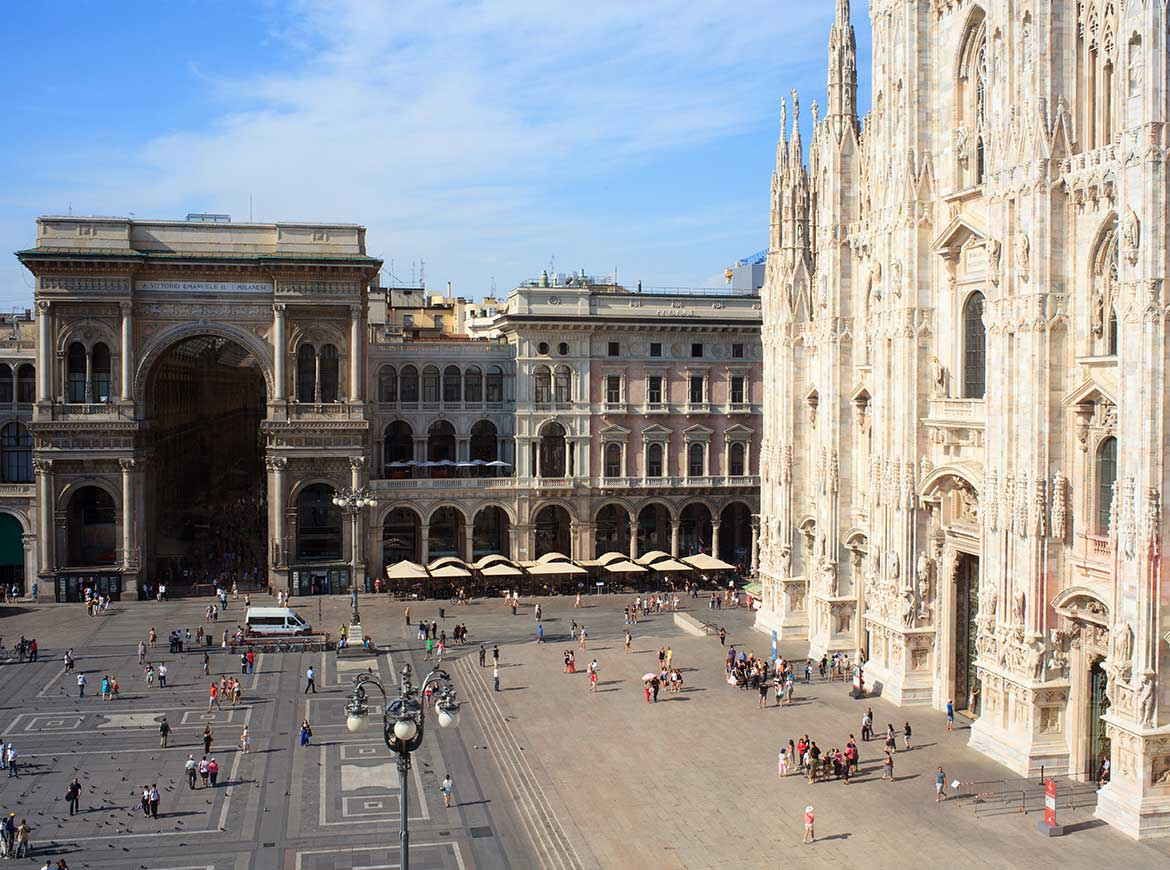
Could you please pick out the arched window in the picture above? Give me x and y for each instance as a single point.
(26, 384)
(695, 459)
(563, 385)
(15, 454)
(75, 373)
(7, 384)
(735, 457)
(542, 385)
(473, 385)
(495, 384)
(408, 387)
(398, 449)
(387, 385)
(430, 384)
(1106, 480)
(330, 373)
(654, 460)
(452, 385)
(1096, 61)
(613, 460)
(972, 99)
(100, 373)
(92, 527)
(306, 373)
(553, 461)
(974, 348)
(484, 443)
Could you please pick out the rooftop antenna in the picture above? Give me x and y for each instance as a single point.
(422, 273)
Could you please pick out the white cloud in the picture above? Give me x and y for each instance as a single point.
(445, 125)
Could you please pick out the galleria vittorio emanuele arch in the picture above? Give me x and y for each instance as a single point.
(965, 350)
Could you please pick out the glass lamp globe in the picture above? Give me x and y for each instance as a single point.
(448, 717)
(405, 729)
(355, 723)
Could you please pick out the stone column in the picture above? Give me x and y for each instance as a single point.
(469, 539)
(355, 471)
(88, 376)
(276, 469)
(317, 377)
(715, 539)
(355, 353)
(44, 352)
(574, 540)
(424, 544)
(45, 524)
(125, 394)
(674, 540)
(633, 537)
(755, 533)
(513, 542)
(279, 352)
(128, 560)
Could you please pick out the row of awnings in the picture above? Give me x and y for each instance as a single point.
(553, 565)
(449, 463)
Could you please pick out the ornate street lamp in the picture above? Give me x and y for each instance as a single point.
(353, 502)
(404, 723)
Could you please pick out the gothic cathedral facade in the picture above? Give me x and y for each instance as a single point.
(965, 348)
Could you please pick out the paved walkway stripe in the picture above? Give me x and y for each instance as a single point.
(543, 827)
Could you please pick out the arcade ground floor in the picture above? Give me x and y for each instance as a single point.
(98, 530)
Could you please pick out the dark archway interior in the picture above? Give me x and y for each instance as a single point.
(206, 491)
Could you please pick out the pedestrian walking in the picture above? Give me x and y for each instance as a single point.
(22, 835)
(213, 771)
(906, 734)
(950, 715)
(145, 801)
(154, 800)
(940, 785)
(722, 636)
(206, 665)
(310, 681)
(495, 654)
(10, 759)
(496, 677)
(164, 732)
(809, 821)
(782, 762)
(191, 766)
(629, 640)
(141, 652)
(888, 766)
(73, 795)
(162, 676)
(207, 735)
(447, 789)
(306, 732)
(245, 741)
(81, 681)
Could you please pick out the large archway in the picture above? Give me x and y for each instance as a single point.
(446, 533)
(654, 529)
(552, 531)
(491, 533)
(613, 530)
(694, 530)
(11, 553)
(401, 538)
(735, 534)
(205, 397)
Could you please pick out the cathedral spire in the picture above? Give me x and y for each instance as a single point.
(842, 89)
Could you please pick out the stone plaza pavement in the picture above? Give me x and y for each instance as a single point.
(332, 805)
(546, 775)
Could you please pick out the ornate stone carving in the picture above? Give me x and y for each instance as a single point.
(1131, 236)
(1023, 256)
(1059, 506)
(1121, 657)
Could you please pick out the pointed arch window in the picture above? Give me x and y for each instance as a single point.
(1106, 481)
(974, 348)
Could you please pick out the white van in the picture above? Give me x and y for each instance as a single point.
(275, 621)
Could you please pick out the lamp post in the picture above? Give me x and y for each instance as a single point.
(353, 502)
(403, 724)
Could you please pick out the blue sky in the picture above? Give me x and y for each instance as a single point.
(485, 138)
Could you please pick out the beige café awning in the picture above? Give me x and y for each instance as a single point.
(625, 567)
(556, 568)
(450, 572)
(501, 569)
(665, 565)
(707, 563)
(406, 570)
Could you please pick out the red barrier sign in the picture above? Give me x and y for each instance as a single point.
(1050, 802)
